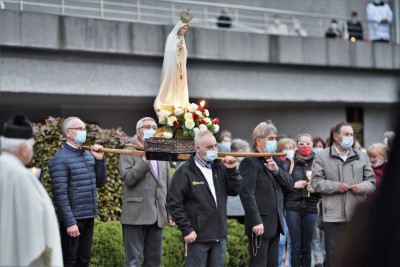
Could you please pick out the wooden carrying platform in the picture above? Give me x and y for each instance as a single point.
(168, 149)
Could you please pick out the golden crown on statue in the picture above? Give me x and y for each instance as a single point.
(185, 16)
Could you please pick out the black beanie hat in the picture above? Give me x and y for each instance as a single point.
(18, 127)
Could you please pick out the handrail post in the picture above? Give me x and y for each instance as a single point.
(101, 9)
(397, 20)
(172, 13)
(237, 17)
(62, 8)
(266, 22)
(138, 10)
(205, 16)
(21, 5)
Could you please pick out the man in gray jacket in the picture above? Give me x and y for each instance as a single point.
(343, 176)
(143, 204)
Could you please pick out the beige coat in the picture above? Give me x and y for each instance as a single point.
(329, 170)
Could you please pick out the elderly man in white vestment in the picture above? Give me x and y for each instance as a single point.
(29, 234)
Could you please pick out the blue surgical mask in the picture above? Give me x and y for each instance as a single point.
(80, 137)
(316, 150)
(270, 146)
(227, 145)
(211, 155)
(147, 134)
(347, 142)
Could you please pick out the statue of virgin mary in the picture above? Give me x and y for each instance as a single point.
(173, 90)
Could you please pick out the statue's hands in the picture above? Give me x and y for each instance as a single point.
(180, 44)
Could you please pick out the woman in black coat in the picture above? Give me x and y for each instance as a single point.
(301, 204)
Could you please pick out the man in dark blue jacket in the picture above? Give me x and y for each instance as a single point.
(197, 202)
(75, 174)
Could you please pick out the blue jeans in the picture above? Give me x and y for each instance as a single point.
(301, 229)
(282, 243)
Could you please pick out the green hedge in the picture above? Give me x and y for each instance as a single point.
(108, 247)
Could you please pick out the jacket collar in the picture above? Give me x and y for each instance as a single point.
(353, 155)
(73, 149)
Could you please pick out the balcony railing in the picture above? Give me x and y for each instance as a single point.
(244, 18)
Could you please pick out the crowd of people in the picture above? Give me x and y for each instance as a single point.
(281, 196)
(378, 13)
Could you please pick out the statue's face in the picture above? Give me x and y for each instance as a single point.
(182, 30)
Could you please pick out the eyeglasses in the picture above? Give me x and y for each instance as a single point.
(78, 129)
(148, 127)
(304, 144)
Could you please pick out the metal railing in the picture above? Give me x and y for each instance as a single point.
(249, 19)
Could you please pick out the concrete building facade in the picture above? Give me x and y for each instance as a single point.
(108, 72)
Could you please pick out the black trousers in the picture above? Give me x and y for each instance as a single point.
(77, 250)
(266, 254)
(333, 236)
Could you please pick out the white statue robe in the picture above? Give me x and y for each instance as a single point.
(29, 233)
(173, 88)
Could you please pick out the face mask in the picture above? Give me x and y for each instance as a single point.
(277, 21)
(211, 155)
(378, 163)
(316, 150)
(347, 142)
(289, 153)
(80, 137)
(376, 1)
(334, 26)
(239, 158)
(305, 150)
(270, 146)
(227, 145)
(385, 141)
(147, 134)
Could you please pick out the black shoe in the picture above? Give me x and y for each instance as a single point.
(318, 265)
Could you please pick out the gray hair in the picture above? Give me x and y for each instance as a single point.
(239, 144)
(139, 124)
(282, 142)
(263, 129)
(199, 137)
(13, 144)
(67, 123)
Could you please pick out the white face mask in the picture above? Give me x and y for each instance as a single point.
(378, 164)
(289, 153)
(385, 141)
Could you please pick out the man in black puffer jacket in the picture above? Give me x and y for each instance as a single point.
(75, 174)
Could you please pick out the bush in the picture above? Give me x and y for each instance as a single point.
(107, 248)
(49, 139)
(237, 253)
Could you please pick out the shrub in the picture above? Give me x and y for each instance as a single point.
(107, 248)
(172, 247)
(237, 253)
